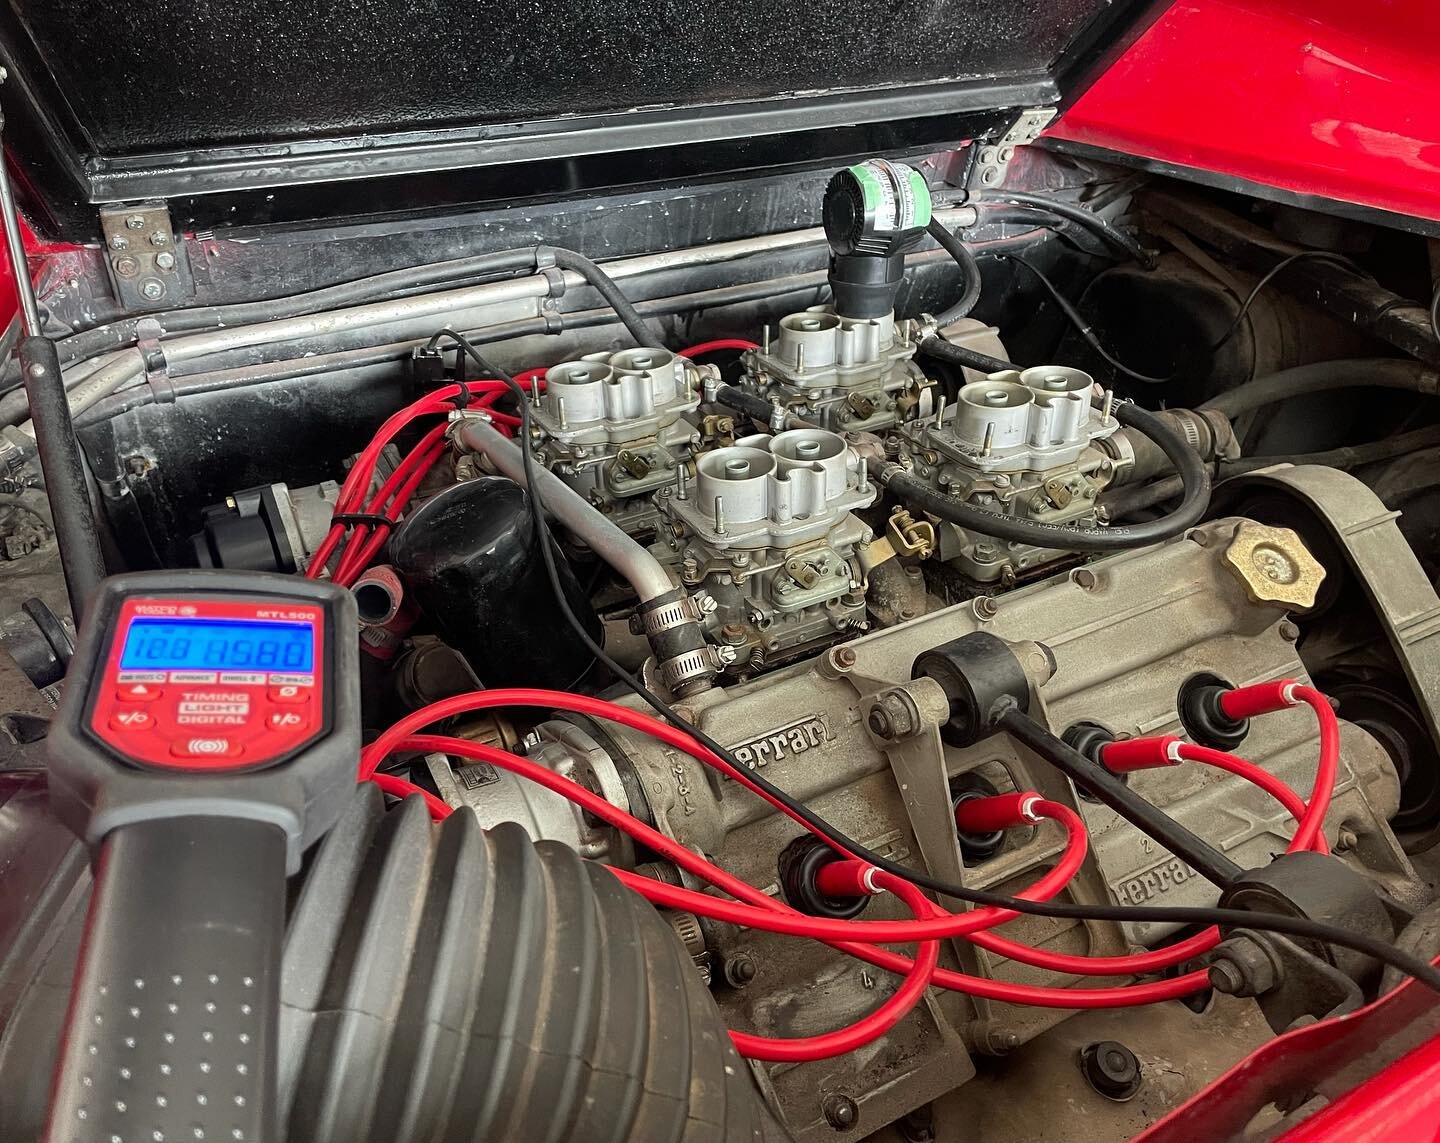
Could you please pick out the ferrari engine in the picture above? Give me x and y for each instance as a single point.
(961, 732)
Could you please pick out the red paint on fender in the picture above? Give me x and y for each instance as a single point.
(1316, 97)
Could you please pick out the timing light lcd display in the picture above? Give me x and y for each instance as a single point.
(218, 644)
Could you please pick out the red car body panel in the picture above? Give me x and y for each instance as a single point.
(1318, 98)
(1322, 99)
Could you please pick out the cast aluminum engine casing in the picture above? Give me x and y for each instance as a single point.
(767, 532)
(613, 426)
(1111, 643)
(1019, 444)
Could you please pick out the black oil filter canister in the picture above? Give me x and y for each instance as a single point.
(470, 558)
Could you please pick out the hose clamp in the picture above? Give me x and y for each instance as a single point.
(676, 613)
(690, 667)
(665, 617)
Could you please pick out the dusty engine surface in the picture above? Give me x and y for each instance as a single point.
(858, 740)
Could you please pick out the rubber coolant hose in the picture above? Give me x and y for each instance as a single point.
(942, 350)
(605, 286)
(1325, 377)
(1196, 499)
(969, 273)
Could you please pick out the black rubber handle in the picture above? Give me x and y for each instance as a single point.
(172, 1026)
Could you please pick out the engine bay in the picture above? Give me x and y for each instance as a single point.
(792, 560)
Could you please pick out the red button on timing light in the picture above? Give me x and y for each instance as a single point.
(131, 720)
(139, 692)
(286, 720)
(290, 694)
(205, 748)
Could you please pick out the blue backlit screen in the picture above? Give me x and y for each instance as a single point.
(217, 645)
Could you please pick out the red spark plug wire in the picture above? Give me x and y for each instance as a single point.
(1127, 756)
(358, 480)
(718, 344)
(874, 1024)
(400, 485)
(1048, 885)
(1141, 963)
(917, 973)
(1265, 698)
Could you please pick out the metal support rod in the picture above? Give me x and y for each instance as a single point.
(76, 534)
(1098, 781)
(15, 245)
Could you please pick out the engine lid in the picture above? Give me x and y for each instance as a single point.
(289, 110)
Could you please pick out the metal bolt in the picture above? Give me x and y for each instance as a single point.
(984, 607)
(1226, 977)
(1288, 631)
(153, 289)
(843, 658)
(165, 260)
(898, 716)
(127, 267)
(879, 722)
(135, 222)
(1346, 840)
(159, 238)
(732, 633)
(840, 1111)
(739, 970)
(1241, 967)
(1000, 1041)
(119, 242)
(1084, 578)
